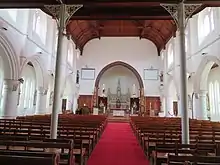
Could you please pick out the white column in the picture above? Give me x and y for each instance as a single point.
(179, 108)
(41, 101)
(162, 106)
(196, 106)
(69, 103)
(10, 98)
(202, 111)
(169, 106)
(75, 104)
(183, 79)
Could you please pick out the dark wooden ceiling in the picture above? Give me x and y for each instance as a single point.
(158, 31)
(112, 18)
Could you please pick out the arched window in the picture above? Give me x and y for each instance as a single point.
(40, 25)
(211, 97)
(186, 40)
(205, 23)
(162, 56)
(70, 54)
(217, 96)
(13, 14)
(214, 95)
(170, 55)
(56, 43)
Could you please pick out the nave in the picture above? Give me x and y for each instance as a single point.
(118, 146)
(93, 140)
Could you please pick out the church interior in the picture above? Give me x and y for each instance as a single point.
(112, 82)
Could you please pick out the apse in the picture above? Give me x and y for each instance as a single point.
(119, 77)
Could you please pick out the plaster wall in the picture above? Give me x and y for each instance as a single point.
(140, 54)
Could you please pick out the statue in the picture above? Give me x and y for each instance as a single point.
(118, 103)
(119, 89)
(161, 76)
(134, 106)
(102, 106)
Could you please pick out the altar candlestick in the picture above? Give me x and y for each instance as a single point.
(150, 106)
(134, 89)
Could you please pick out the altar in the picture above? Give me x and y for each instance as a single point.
(119, 113)
(118, 103)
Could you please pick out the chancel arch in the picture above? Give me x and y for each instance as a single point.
(119, 86)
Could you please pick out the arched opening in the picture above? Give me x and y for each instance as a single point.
(207, 87)
(205, 23)
(213, 97)
(132, 69)
(170, 55)
(27, 91)
(119, 86)
(9, 69)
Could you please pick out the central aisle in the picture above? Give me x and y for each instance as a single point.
(118, 146)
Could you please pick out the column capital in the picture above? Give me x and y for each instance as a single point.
(203, 93)
(42, 90)
(11, 84)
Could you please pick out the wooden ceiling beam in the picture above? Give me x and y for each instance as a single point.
(95, 28)
(41, 3)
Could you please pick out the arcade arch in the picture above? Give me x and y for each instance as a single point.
(207, 86)
(27, 91)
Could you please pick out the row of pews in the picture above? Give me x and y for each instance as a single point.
(161, 141)
(26, 140)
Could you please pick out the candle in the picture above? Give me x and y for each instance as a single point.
(134, 89)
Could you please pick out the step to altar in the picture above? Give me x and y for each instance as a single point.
(118, 119)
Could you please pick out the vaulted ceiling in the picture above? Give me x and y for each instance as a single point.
(115, 18)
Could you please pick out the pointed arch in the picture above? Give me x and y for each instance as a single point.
(116, 63)
(11, 61)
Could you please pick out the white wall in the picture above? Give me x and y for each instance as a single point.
(200, 57)
(140, 54)
(111, 77)
(20, 44)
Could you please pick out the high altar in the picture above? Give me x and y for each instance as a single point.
(117, 103)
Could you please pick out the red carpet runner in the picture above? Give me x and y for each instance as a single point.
(118, 146)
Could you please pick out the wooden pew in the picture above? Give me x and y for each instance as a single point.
(26, 159)
(193, 160)
(85, 134)
(161, 151)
